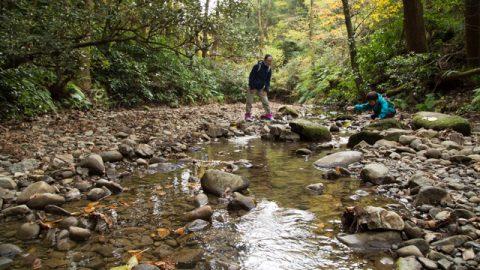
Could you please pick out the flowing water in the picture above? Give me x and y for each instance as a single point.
(289, 229)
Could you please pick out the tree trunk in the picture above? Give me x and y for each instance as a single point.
(216, 38)
(84, 78)
(472, 31)
(205, 32)
(310, 22)
(260, 27)
(414, 26)
(351, 44)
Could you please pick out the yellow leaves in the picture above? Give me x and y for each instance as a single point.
(163, 232)
(90, 207)
(132, 262)
(49, 224)
(180, 231)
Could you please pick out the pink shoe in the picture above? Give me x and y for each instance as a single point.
(267, 116)
(248, 117)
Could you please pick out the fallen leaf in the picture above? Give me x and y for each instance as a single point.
(180, 231)
(37, 264)
(163, 232)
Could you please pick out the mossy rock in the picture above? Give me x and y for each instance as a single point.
(370, 137)
(287, 110)
(440, 121)
(385, 124)
(310, 131)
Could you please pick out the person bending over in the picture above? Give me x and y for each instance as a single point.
(381, 107)
(259, 83)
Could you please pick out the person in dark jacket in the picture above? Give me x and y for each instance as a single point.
(381, 107)
(259, 83)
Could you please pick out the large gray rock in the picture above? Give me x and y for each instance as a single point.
(377, 218)
(9, 250)
(310, 131)
(241, 201)
(96, 194)
(456, 240)
(5, 263)
(28, 231)
(7, 183)
(25, 166)
(431, 195)
(440, 121)
(39, 201)
(94, 164)
(216, 131)
(144, 151)
(371, 241)
(197, 225)
(217, 182)
(200, 200)
(35, 188)
(376, 173)
(79, 234)
(339, 159)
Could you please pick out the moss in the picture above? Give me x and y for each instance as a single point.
(287, 110)
(310, 131)
(440, 121)
(370, 137)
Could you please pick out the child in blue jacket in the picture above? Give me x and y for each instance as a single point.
(381, 107)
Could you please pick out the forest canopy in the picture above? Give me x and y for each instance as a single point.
(100, 53)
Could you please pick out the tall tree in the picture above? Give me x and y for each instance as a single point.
(260, 27)
(205, 44)
(472, 31)
(414, 26)
(351, 43)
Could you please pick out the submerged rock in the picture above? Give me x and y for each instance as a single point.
(339, 159)
(241, 201)
(440, 121)
(310, 131)
(218, 182)
(197, 225)
(316, 189)
(204, 212)
(187, 257)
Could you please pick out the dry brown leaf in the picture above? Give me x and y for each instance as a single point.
(180, 231)
(163, 232)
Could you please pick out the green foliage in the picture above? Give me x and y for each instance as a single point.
(428, 104)
(76, 99)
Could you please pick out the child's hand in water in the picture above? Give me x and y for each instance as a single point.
(350, 108)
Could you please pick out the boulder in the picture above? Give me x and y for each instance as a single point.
(94, 164)
(35, 188)
(376, 173)
(371, 241)
(39, 201)
(111, 156)
(218, 182)
(339, 159)
(287, 110)
(431, 195)
(310, 131)
(440, 121)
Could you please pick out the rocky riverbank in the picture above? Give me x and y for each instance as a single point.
(431, 171)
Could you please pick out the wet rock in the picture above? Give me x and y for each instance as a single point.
(408, 263)
(370, 137)
(433, 153)
(310, 131)
(96, 194)
(218, 182)
(126, 150)
(7, 183)
(111, 156)
(303, 152)
(72, 195)
(144, 151)
(288, 110)
(19, 210)
(241, 201)
(204, 212)
(187, 257)
(339, 159)
(334, 128)
(114, 187)
(200, 200)
(444, 264)
(5, 263)
(409, 251)
(376, 173)
(439, 121)
(371, 241)
(35, 188)
(79, 234)
(385, 124)
(24, 166)
(456, 240)
(39, 201)
(28, 231)
(56, 210)
(94, 164)
(431, 195)
(336, 173)
(316, 189)
(83, 185)
(9, 251)
(216, 131)
(197, 225)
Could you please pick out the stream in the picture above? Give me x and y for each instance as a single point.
(289, 229)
